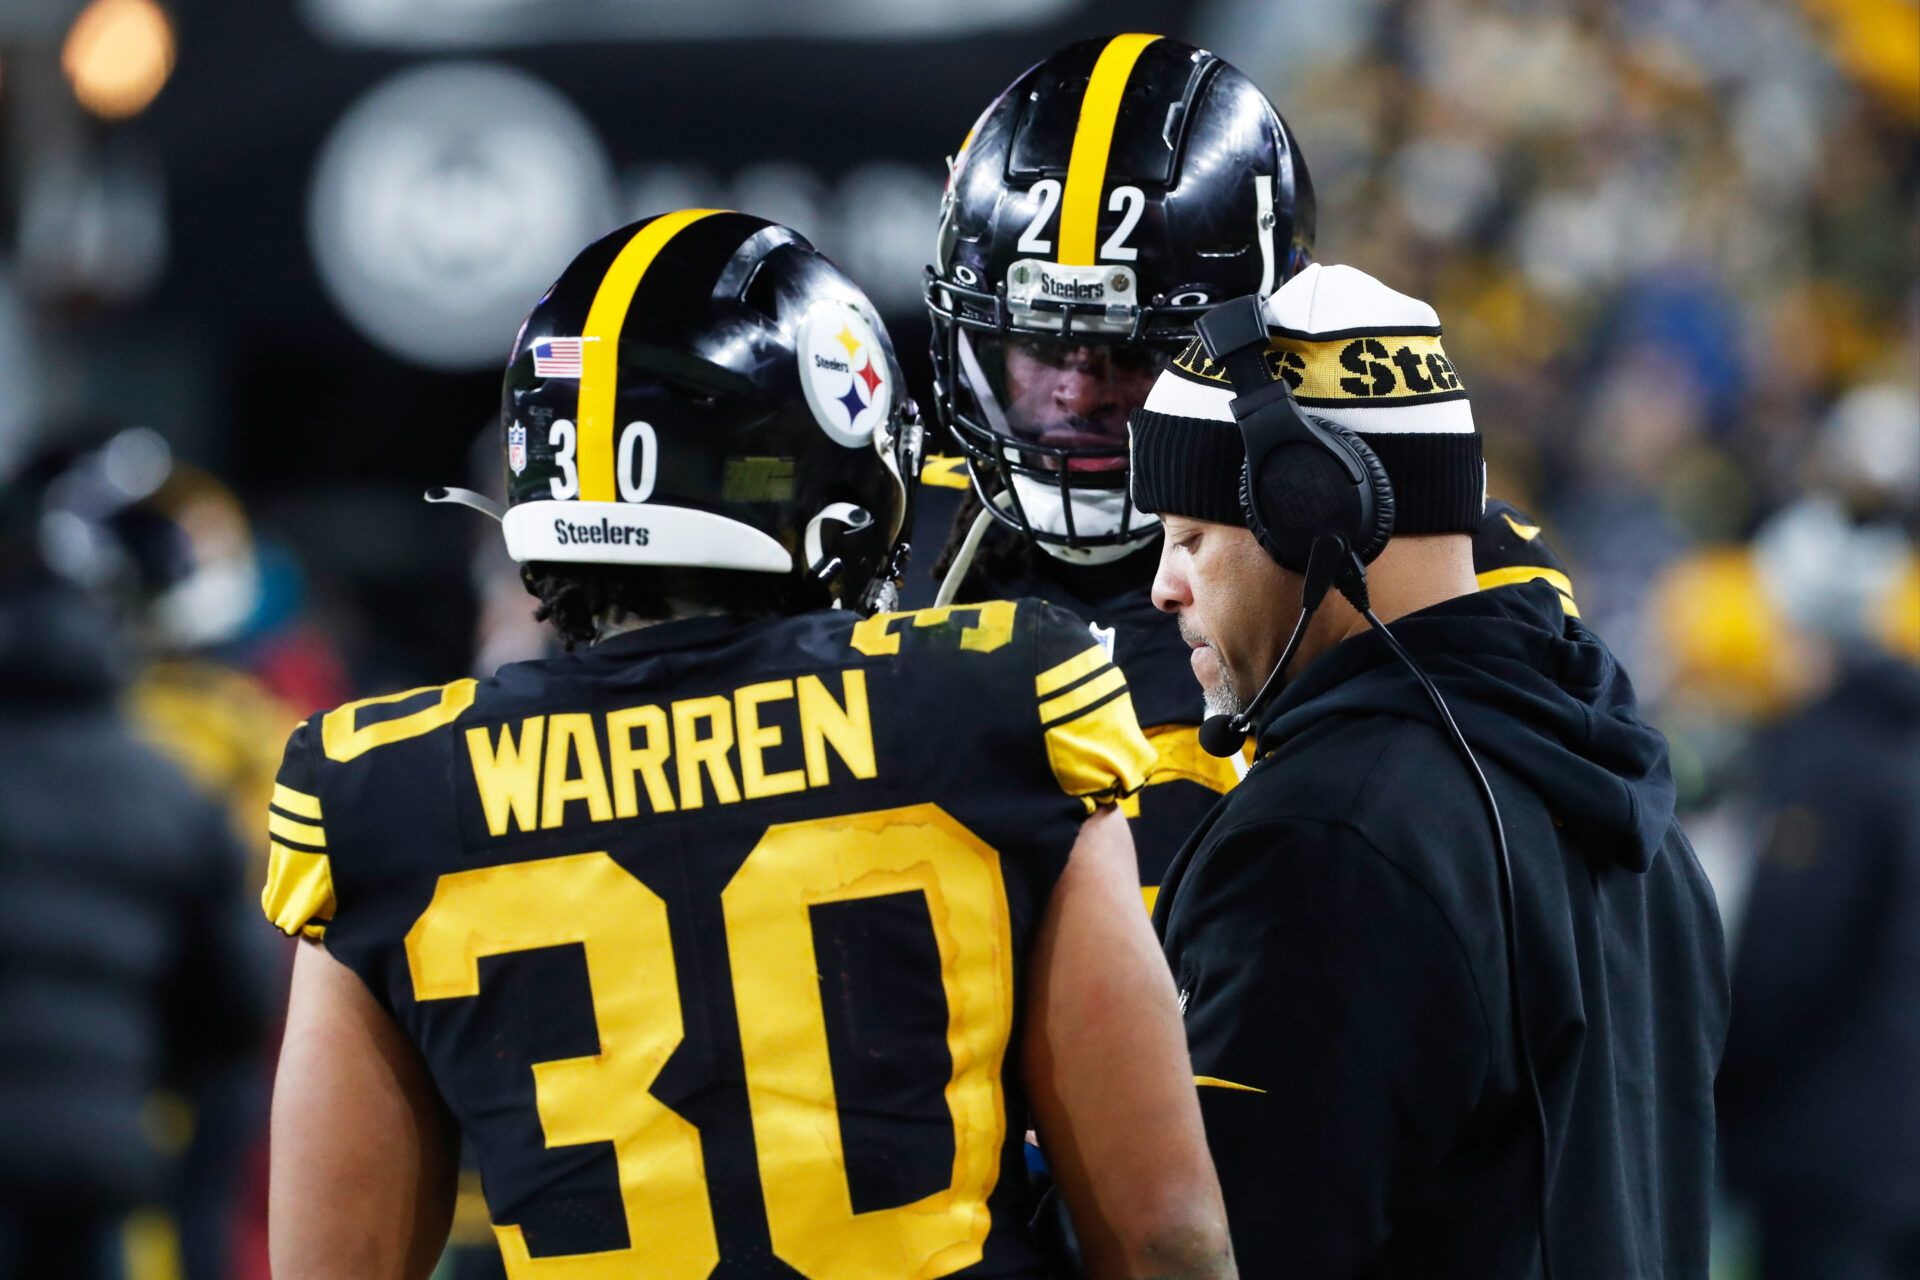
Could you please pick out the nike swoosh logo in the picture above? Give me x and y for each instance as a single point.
(1215, 1082)
(1527, 532)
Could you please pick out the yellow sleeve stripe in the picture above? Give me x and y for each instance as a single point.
(1182, 759)
(1092, 141)
(299, 893)
(1100, 752)
(299, 832)
(1511, 574)
(1082, 696)
(1215, 1082)
(297, 803)
(1085, 663)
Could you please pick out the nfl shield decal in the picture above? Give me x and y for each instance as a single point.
(517, 448)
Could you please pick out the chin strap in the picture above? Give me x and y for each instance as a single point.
(969, 550)
(466, 498)
(820, 563)
(963, 560)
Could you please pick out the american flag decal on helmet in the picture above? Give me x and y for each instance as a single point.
(558, 357)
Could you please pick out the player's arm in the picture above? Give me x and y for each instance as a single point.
(364, 1156)
(1107, 1072)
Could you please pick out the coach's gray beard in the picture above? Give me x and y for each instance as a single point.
(1223, 699)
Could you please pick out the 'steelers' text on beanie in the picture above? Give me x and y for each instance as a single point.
(1356, 353)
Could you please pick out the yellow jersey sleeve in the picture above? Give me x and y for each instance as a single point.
(1094, 742)
(298, 897)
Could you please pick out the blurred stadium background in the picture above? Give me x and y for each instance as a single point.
(1674, 243)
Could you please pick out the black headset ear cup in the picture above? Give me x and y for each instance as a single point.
(1285, 552)
(1367, 543)
(1374, 540)
(1251, 510)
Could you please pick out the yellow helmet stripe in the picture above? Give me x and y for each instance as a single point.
(600, 348)
(1092, 139)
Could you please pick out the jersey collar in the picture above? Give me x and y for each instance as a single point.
(683, 633)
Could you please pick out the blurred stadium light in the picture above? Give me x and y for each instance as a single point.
(448, 197)
(451, 193)
(118, 56)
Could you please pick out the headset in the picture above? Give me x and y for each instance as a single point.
(1320, 504)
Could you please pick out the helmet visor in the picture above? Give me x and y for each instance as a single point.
(1064, 404)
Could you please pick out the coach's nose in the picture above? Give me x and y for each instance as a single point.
(1171, 590)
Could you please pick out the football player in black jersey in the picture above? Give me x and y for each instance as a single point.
(717, 967)
(1098, 207)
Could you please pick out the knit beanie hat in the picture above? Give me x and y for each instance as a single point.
(1356, 353)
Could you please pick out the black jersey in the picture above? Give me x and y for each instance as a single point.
(712, 935)
(1186, 781)
(1114, 603)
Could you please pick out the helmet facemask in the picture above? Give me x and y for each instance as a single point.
(1043, 419)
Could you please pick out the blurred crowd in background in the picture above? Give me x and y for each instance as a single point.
(258, 262)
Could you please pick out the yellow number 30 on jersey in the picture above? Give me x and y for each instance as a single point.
(622, 925)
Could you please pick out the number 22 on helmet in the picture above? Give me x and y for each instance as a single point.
(1099, 206)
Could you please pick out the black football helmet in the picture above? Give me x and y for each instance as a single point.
(704, 389)
(1098, 207)
(165, 546)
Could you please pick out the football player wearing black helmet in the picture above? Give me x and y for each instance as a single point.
(1096, 209)
(718, 971)
(1101, 204)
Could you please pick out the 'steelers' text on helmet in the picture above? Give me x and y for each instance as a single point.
(704, 389)
(1103, 202)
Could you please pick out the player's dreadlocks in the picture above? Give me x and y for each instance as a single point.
(578, 598)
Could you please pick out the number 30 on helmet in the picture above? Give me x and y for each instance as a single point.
(705, 390)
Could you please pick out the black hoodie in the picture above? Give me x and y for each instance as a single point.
(1335, 932)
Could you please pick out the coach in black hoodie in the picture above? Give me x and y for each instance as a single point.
(1335, 927)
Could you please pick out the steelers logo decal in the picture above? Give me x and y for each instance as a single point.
(843, 370)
